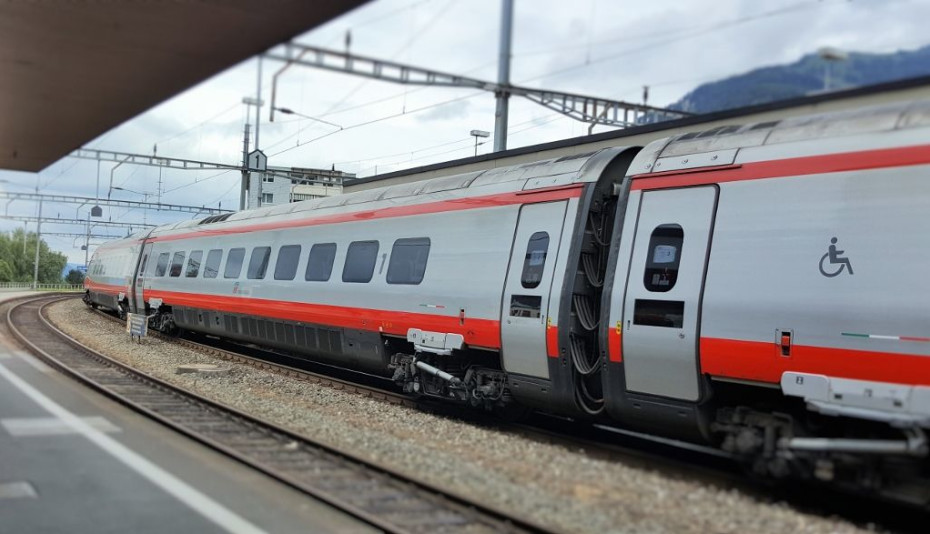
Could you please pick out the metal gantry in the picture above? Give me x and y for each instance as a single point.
(589, 109)
(65, 199)
(83, 235)
(82, 222)
(152, 161)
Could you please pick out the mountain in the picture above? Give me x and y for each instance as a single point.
(804, 77)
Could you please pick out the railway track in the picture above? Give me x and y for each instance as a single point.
(667, 456)
(373, 493)
(359, 383)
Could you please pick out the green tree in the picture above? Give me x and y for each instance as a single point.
(17, 257)
(75, 277)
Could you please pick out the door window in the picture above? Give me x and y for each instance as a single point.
(535, 260)
(663, 258)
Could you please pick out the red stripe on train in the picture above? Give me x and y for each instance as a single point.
(109, 289)
(477, 332)
(614, 345)
(457, 204)
(786, 168)
(552, 341)
(762, 362)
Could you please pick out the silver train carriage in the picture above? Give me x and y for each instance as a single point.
(760, 287)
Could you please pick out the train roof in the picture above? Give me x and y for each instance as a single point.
(565, 170)
(724, 141)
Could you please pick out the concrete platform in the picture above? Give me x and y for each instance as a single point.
(74, 461)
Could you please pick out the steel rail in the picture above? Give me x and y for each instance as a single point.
(374, 493)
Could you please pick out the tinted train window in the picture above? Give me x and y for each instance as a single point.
(176, 264)
(667, 314)
(162, 264)
(535, 261)
(408, 261)
(258, 263)
(286, 266)
(234, 263)
(663, 257)
(320, 262)
(193, 264)
(145, 257)
(212, 268)
(360, 261)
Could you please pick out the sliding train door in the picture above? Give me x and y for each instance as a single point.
(138, 285)
(661, 316)
(525, 307)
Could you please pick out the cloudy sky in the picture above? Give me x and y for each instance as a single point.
(606, 48)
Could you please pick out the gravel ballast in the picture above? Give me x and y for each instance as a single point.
(552, 484)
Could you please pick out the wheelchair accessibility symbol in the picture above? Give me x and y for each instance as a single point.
(836, 258)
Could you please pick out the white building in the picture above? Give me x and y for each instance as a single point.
(293, 184)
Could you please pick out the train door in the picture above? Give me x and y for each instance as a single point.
(138, 299)
(665, 281)
(525, 308)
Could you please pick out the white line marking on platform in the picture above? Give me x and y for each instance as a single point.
(17, 490)
(197, 501)
(52, 426)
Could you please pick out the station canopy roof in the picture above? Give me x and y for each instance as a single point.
(70, 71)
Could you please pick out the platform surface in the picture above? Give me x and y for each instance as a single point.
(74, 461)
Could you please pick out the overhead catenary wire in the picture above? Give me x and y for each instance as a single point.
(688, 34)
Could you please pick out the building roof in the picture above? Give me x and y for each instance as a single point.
(70, 71)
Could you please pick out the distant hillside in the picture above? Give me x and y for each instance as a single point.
(804, 77)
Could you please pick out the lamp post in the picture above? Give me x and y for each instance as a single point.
(830, 55)
(476, 134)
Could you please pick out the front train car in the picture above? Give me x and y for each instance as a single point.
(109, 277)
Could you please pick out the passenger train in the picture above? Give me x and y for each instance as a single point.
(762, 288)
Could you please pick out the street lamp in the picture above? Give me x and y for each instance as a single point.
(477, 134)
(830, 55)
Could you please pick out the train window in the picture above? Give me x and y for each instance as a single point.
(234, 263)
(408, 261)
(320, 262)
(663, 257)
(360, 262)
(258, 263)
(286, 266)
(535, 261)
(162, 264)
(176, 264)
(212, 267)
(145, 258)
(193, 264)
(667, 314)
